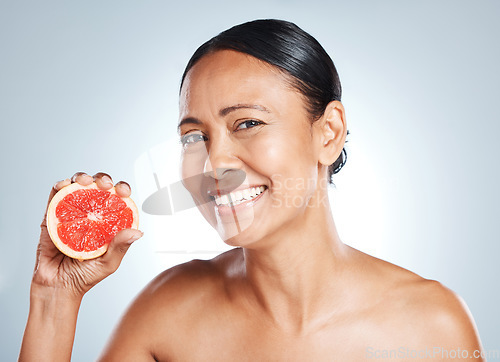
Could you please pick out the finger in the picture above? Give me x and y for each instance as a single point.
(123, 189)
(103, 181)
(60, 184)
(118, 248)
(82, 178)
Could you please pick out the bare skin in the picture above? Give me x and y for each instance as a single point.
(290, 290)
(59, 283)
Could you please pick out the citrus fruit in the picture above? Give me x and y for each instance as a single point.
(82, 220)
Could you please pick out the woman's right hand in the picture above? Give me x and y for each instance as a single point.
(57, 271)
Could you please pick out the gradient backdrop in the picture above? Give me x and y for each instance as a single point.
(92, 86)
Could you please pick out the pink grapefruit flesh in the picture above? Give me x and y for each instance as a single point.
(82, 220)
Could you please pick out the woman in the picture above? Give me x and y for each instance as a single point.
(262, 98)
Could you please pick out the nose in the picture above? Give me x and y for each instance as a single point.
(221, 159)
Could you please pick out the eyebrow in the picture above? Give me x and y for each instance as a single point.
(223, 112)
(188, 120)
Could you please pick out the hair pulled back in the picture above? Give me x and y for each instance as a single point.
(295, 52)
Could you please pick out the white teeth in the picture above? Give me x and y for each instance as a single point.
(237, 197)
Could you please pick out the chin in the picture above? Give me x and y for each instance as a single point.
(238, 234)
(254, 236)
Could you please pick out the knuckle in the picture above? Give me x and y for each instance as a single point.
(122, 249)
(109, 265)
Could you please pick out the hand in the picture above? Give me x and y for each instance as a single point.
(55, 270)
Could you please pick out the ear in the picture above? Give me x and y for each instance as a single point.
(331, 133)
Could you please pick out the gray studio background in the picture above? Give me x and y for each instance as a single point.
(92, 85)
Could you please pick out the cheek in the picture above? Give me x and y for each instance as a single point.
(290, 165)
(192, 165)
(193, 162)
(286, 155)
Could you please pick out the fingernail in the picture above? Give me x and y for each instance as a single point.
(59, 184)
(105, 179)
(135, 237)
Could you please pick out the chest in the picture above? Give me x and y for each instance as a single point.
(243, 341)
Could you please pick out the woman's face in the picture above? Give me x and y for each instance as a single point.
(250, 154)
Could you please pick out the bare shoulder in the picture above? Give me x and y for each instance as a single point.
(186, 287)
(443, 314)
(171, 304)
(420, 310)
(190, 282)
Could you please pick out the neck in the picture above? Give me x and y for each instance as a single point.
(296, 276)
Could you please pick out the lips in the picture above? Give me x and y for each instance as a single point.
(237, 197)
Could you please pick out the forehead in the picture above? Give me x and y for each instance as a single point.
(227, 77)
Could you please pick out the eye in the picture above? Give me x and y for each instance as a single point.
(192, 138)
(249, 123)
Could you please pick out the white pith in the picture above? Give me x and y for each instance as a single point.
(94, 217)
(237, 197)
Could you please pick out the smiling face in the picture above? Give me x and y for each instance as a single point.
(241, 120)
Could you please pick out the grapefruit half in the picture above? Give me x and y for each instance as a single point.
(82, 220)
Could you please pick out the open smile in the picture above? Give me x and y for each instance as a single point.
(243, 197)
(240, 196)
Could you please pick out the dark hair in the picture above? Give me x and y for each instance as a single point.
(295, 52)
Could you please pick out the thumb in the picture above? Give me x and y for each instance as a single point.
(118, 248)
